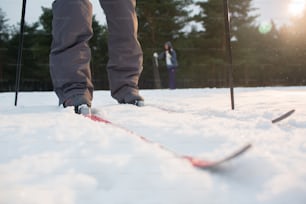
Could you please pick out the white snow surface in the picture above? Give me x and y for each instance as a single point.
(50, 155)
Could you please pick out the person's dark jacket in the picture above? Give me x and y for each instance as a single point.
(162, 55)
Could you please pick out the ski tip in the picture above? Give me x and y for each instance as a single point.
(205, 164)
(199, 163)
(284, 116)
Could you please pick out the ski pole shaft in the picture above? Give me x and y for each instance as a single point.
(229, 51)
(18, 69)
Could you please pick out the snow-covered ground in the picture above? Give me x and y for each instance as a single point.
(50, 155)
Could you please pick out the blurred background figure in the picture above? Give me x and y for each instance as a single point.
(169, 55)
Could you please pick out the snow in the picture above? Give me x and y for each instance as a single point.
(50, 155)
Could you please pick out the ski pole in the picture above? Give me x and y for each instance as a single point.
(157, 81)
(20, 47)
(229, 50)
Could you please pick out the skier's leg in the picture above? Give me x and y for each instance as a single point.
(125, 53)
(70, 54)
(171, 73)
(174, 78)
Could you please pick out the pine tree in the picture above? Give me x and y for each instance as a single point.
(212, 42)
(99, 55)
(159, 21)
(293, 52)
(242, 26)
(3, 42)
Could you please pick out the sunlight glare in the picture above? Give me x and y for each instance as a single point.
(265, 27)
(296, 7)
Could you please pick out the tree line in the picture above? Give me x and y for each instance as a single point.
(263, 55)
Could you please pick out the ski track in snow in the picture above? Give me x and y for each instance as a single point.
(50, 155)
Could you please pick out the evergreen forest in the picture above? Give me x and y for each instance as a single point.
(262, 54)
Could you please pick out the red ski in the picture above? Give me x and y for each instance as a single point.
(194, 161)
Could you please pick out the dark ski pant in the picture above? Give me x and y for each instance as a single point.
(172, 80)
(70, 54)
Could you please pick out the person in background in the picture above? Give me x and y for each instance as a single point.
(70, 53)
(169, 55)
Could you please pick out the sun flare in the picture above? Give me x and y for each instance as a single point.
(296, 7)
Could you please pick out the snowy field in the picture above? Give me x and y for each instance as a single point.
(48, 155)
